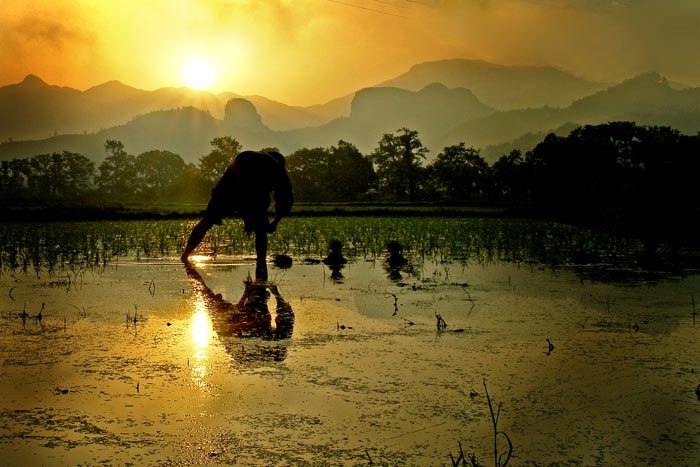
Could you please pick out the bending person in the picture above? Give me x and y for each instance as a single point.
(244, 190)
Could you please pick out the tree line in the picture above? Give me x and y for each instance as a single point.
(615, 164)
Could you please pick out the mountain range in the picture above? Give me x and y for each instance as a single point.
(488, 106)
(502, 87)
(34, 109)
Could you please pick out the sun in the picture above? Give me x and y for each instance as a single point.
(198, 73)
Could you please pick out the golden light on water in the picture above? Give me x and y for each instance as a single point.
(198, 260)
(201, 328)
(201, 336)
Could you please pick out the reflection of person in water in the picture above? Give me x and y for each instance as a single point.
(244, 189)
(249, 318)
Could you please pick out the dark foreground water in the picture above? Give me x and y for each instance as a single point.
(347, 368)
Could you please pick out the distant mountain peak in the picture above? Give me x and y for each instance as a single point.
(112, 85)
(241, 113)
(500, 86)
(33, 80)
(114, 82)
(434, 87)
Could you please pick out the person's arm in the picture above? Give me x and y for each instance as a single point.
(196, 238)
(284, 199)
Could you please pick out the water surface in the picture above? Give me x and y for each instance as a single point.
(361, 370)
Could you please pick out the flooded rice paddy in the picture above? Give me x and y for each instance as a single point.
(141, 360)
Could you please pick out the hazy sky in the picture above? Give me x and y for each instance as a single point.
(310, 51)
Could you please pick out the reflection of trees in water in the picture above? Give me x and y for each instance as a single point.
(248, 319)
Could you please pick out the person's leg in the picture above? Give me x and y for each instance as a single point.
(196, 238)
(261, 250)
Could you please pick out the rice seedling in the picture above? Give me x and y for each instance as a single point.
(550, 346)
(498, 459)
(83, 311)
(462, 459)
(38, 317)
(441, 324)
(88, 245)
(24, 316)
(396, 304)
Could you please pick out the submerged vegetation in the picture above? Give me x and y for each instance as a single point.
(483, 240)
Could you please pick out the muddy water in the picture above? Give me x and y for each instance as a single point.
(346, 367)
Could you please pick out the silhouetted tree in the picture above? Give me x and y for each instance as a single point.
(60, 175)
(508, 177)
(118, 174)
(81, 176)
(13, 177)
(213, 165)
(308, 171)
(398, 160)
(589, 167)
(643, 177)
(43, 170)
(188, 187)
(459, 173)
(339, 173)
(350, 174)
(157, 170)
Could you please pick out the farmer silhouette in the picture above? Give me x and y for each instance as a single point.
(244, 189)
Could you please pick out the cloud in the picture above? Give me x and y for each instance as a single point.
(45, 39)
(50, 32)
(35, 24)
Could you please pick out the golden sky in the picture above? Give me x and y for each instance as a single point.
(310, 51)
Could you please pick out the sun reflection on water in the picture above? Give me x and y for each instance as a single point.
(201, 335)
(199, 260)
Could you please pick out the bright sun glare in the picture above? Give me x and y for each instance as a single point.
(198, 73)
